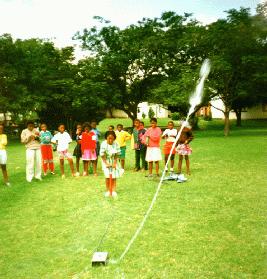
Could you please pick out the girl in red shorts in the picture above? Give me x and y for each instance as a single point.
(169, 134)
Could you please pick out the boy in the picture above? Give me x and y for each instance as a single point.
(121, 138)
(30, 137)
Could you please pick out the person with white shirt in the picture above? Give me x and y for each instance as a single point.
(62, 139)
(30, 137)
(169, 134)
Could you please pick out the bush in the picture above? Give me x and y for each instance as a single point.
(193, 121)
(176, 116)
(207, 117)
(143, 115)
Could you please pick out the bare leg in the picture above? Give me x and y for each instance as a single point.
(61, 164)
(166, 159)
(150, 167)
(122, 163)
(71, 166)
(107, 184)
(187, 164)
(157, 167)
(77, 164)
(113, 184)
(172, 163)
(85, 168)
(180, 163)
(4, 171)
(94, 167)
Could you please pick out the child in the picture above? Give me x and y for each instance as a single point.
(62, 138)
(111, 128)
(121, 138)
(3, 155)
(88, 147)
(30, 137)
(153, 154)
(98, 134)
(77, 150)
(110, 152)
(135, 142)
(142, 145)
(46, 149)
(183, 148)
(170, 135)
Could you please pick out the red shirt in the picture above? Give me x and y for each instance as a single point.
(154, 135)
(88, 140)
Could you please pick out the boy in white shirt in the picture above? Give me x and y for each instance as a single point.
(62, 139)
(169, 134)
(30, 137)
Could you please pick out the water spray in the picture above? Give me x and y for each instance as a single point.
(194, 101)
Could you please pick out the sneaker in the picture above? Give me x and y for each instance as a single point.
(63, 176)
(77, 173)
(8, 184)
(107, 194)
(149, 175)
(182, 177)
(45, 173)
(52, 173)
(114, 194)
(171, 170)
(166, 169)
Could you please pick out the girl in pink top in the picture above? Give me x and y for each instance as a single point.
(153, 153)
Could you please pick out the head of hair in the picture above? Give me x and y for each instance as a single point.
(137, 120)
(170, 122)
(60, 124)
(86, 124)
(153, 119)
(110, 133)
(111, 126)
(141, 122)
(30, 122)
(120, 125)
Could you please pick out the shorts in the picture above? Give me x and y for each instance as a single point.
(3, 157)
(123, 152)
(167, 148)
(89, 155)
(64, 154)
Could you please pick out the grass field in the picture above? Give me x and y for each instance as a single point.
(212, 226)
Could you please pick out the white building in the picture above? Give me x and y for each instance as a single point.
(159, 110)
(257, 112)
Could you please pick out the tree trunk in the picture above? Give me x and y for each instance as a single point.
(238, 117)
(226, 123)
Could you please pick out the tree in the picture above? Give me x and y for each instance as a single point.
(235, 45)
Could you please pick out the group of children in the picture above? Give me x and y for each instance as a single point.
(145, 142)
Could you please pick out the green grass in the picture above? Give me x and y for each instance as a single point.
(213, 226)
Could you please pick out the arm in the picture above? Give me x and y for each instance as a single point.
(24, 138)
(4, 140)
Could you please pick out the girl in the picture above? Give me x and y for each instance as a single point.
(88, 147)
(77, 150)
(152, 137)
(3, 156)
(110, 152)
(169, 134)
(62, 138)
(30, 137)
(183, 148)
(46, 150)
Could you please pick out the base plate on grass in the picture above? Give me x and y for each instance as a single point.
(100, 258)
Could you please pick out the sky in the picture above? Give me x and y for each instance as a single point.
(59, 20)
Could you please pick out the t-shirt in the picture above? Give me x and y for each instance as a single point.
(154, 135)
(171, 134)
(122, 137)
(97, 133)
(88, 140)
(109, 150)
(62, 140)
(30, 143)
(45, 137)
(3, 141)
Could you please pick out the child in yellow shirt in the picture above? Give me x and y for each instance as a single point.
(3, 155)
(121, 138)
